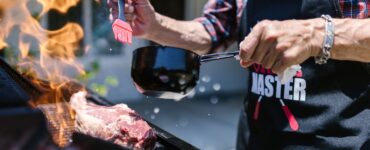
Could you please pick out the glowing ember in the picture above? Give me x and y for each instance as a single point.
(56, 57)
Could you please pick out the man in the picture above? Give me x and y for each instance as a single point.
(325, 106)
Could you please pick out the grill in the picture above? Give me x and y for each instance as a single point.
(25, 128)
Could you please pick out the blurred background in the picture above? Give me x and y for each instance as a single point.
(207, 118)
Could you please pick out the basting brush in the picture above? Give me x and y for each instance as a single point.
(121, 29)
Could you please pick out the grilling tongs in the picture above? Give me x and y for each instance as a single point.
(218, 56)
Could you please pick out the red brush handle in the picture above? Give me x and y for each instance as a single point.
(292, 121)
(257, 108)
(256, 111)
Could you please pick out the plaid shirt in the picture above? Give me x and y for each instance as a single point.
(221, 18)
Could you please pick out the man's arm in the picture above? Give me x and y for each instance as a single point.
(352, 40)
(148, 24)
(215, 30)
(189, 35)
(278, 45)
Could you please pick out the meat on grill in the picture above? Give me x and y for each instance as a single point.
(118, 124)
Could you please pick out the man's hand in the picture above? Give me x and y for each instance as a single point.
(139, 13)
(148, 24)
(278, 45)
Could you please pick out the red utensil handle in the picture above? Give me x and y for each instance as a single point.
(289, 115)
(257, 108)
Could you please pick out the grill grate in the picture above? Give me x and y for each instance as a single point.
(60, 124)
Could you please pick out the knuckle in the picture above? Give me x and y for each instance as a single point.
(243, 51)
(264, 23)
(283, 60)
(241, 63)
(270, 36)
(282, 46)
(254, 59)
(287, 60)
(268, 65)
(275, 69)
(242, 55)
(244, 48)
(245, 39)
(265, 65)
(267, 62)
(242, 44)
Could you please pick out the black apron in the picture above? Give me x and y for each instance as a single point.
(323, 107)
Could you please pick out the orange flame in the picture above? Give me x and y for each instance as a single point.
(59, 5)
(56, 58)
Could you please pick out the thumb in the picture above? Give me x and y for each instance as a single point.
(139, 1)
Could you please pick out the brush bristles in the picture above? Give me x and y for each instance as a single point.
(122, 31)
(123, 36)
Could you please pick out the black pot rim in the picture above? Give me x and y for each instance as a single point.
(161, 46)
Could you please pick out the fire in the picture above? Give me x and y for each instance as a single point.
(59, 5)
(56, 57)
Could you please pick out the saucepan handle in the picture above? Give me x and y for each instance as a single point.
(218, 56)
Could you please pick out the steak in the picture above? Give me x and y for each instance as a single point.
(118, 124)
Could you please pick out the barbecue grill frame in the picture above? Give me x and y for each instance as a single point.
(165, 140)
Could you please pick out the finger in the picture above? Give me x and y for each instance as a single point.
(113, 9)
(283, 46)
(280, 47)
(111, 18)
(114, 14)
(130, 17)
(278, 67)
(129, 8)
(248, 46)
(140, 1)
(269, 62)
(270, 58)
(113, 6)
(289, 58)
(261, 51)
(246, 64)
(112, 3)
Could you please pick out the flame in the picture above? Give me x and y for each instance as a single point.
(55, 62)
(59, 5)
(60, 115)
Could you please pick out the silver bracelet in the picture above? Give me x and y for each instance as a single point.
(328, 43)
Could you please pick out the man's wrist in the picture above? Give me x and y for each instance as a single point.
(317, 26)
(155, 28)
(344, 38)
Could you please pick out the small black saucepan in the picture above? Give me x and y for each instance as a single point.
(168, 72)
